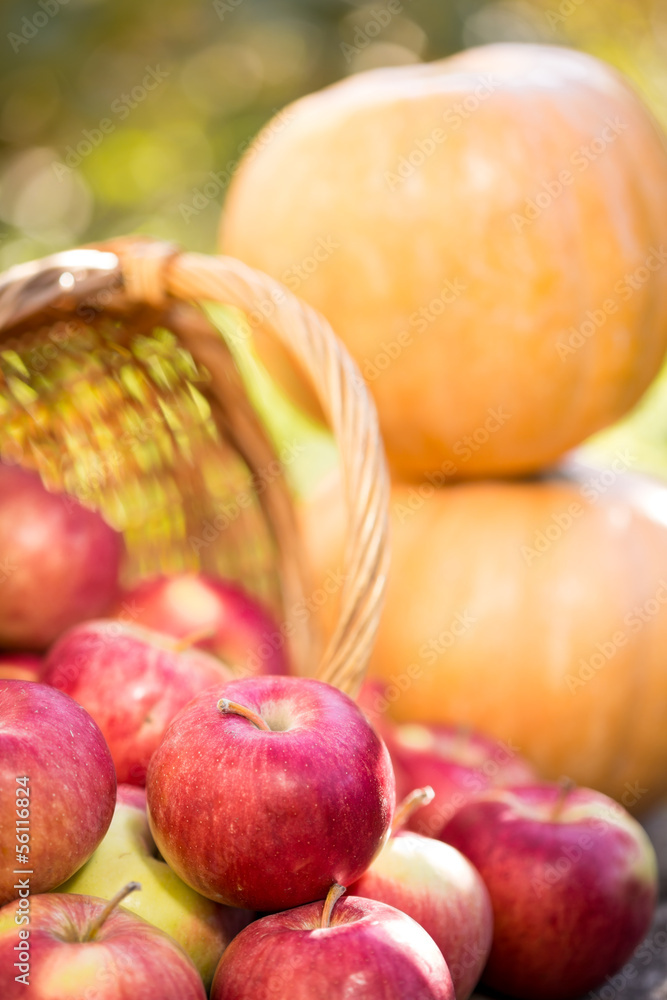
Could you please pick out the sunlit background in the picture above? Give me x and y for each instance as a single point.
(130, 115)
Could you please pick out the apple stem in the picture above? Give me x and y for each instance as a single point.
(228, 707)
(108, 909)
(566, 786)
(415, 800)
(333, 895)
(192, 638)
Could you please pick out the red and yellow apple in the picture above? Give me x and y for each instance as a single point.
(267, 790)
(222, 617)
(572, 880)
(60, 562)
(364, 949)
(133, 681)
(57, 786)
(438, 887)
(80, 947)
(457, 763)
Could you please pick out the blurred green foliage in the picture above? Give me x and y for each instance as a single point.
(120, 115)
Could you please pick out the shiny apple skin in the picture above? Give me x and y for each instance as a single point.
(438, 887)
(48, 738)
(571, 898)
(128, 960)
(62, 562)
(268, 820)
(244, 633)
(370, 951)
(133, 681)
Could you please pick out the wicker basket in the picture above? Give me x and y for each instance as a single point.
(118, 389)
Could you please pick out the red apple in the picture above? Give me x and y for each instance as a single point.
(60, 562)
(456, 763)
(435, 885)
(79, 947)
(57, 787)
(366, 950)
(265, 791)
(20, 666)
(573, 884)
(241, 631)
(133, 681)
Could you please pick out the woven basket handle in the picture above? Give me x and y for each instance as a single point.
(153, 271)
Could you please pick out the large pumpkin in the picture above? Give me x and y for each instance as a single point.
(487, 234)
(536, 612)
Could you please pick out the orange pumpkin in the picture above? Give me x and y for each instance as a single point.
(487, 234)
(536, 612)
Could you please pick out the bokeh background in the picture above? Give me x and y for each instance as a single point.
(130, 115)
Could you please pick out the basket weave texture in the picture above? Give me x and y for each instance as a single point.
(117, 388)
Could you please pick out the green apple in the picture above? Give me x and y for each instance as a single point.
(128, 854)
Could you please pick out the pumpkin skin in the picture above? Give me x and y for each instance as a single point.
(471, 313)
(547, 651)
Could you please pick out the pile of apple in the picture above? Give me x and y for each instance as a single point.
(266, 798)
